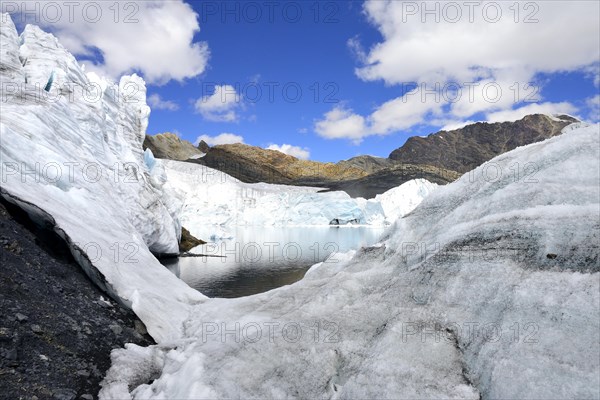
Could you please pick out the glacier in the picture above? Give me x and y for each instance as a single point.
(72, 158)
(490, 288)
(211, 198)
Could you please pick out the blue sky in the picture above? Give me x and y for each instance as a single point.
(354, 62)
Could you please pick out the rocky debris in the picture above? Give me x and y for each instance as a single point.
(170, 146)
(463, 149)
(55, 337)
(188, 241)
(116, 329)
(20, 317)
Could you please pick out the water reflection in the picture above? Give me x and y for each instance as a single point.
(259, 259)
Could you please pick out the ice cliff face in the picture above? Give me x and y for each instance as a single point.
(213, 198)
(490, 288)
(71, 154)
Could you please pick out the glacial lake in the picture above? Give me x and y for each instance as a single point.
(259, 259)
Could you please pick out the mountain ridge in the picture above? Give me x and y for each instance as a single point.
(440, 157)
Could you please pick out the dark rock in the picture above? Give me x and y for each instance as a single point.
(188, 241)
(385, 179)
(74, 322)
(117, 330)
(5, 334)
(64, 394)
(14, 247)
(83, 373)
(36, 328)
(20, 317)
(203, 146)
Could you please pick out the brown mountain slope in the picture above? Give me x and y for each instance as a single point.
(255, 164)
(369, 164)
(440, 157)
(463, 149)
(169, 145)
(385, 179)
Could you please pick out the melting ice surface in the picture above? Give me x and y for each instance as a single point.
(261, 259)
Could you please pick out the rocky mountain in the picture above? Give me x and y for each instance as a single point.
(463, 149)
(440, 157)
(369, 164)
(253, 164)
(169, 145)
(399, 173)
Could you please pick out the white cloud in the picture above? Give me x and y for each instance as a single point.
(295, 151)
(536, 108)
(357, 49)
(157, 103)
(489, 65)
(223, 138)
(340, 123)
(153, 37)
(221, 105)
(416, 48)
(453, 125)
(394, 115)
(593, 103)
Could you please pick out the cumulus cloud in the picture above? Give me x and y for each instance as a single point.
(220, 106)
(394, 115)
(154, 38)
(340, 123)
(465, 66)
(157, 103)
(223, 138)
(477, 45)
(541, 108)
(295, 151)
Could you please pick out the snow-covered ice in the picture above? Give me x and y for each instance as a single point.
(213, 198)
(73, 158)
(490, 288)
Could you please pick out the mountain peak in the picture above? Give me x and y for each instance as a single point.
(463, 149)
